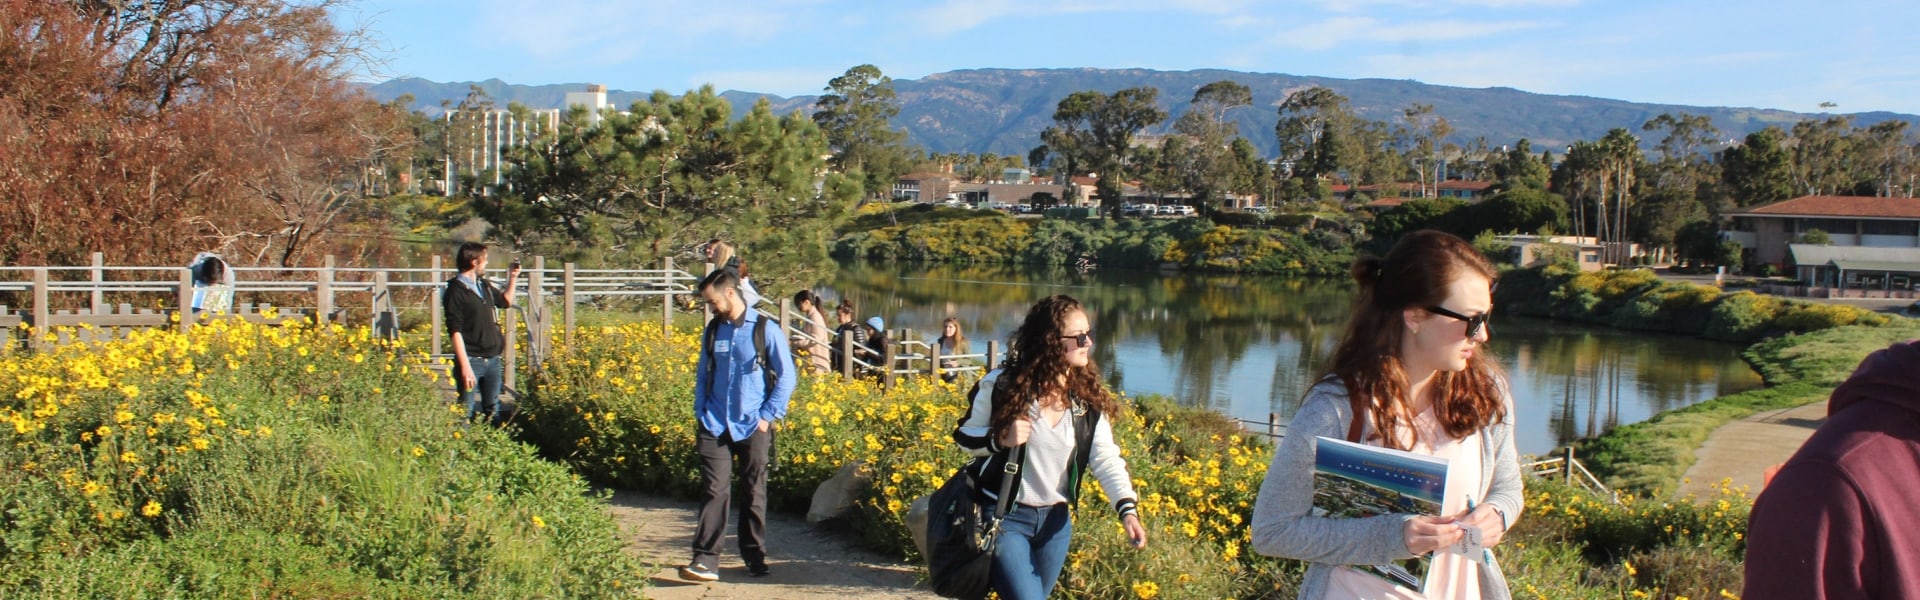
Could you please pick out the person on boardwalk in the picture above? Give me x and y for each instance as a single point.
(1409, 373)
(952, 342)
(1047, 399)
(212, 284)
(469, 301)
(1838, 521)
(742, 382)
(815, 343)
(722, 256)
(875, 352)
(848, 329)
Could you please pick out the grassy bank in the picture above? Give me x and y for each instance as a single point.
(925, 233)
(1808, 349)
(244, 462)
(617, 407)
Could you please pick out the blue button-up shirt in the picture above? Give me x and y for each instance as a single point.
(730, 393)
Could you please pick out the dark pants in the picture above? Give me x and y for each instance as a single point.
(717, 455)
(1032, 548)
(487, 375)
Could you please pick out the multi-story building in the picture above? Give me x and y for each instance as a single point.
(1871, 242)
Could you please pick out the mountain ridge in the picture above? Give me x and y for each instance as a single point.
(1004, 110)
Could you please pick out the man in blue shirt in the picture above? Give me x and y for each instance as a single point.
(737, 395)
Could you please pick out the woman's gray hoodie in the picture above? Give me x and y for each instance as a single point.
(1283, 527)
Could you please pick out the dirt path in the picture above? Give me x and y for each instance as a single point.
(1744, 449)
(806, 564)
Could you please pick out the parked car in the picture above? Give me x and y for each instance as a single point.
(1165, 209)
(1184, 211)
(1137, 210)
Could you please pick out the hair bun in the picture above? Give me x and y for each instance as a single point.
(1366, 270)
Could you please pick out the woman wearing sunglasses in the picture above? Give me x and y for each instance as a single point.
(1046, 410)
(1410, 373)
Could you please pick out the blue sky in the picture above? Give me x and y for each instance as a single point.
(1859, 54)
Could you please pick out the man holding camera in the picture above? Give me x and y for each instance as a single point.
(469, 302)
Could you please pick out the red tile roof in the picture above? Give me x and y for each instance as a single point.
(1455, 184)
(1839, 206)
(1388, 202)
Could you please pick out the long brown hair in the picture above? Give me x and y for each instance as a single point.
(1414, 275)
(1037, 361)
(959, 334)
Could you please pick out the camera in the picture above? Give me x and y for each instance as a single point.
(515, 265)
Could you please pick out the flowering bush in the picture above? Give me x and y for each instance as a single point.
(243, 460)
(618, 406)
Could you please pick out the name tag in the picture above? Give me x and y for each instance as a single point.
(722, 346)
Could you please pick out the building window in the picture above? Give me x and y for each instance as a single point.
(1890, 227)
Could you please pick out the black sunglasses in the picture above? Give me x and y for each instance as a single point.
(1085, 338)
(1474, 323)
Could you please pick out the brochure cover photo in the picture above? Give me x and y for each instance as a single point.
(1355, 480)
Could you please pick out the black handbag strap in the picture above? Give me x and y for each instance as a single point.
(1010, 474)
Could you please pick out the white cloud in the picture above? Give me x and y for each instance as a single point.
(1363, 30)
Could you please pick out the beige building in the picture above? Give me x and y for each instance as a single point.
(1766, 231)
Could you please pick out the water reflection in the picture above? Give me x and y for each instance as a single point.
(1249, 346)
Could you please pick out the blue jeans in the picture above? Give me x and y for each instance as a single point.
(487, 375)
(1032, 548)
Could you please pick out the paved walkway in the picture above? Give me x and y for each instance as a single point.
(806, 564)
(1744, 449)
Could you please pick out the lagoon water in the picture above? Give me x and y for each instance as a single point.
(1249, 345)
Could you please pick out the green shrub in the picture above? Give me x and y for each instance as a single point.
(1742, 317)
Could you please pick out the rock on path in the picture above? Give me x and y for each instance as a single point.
(806, 564)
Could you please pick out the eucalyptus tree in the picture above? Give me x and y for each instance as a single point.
(1759, 170)
(1093, 133)
(856, 115)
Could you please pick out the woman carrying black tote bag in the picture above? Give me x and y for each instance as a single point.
(1046, 400)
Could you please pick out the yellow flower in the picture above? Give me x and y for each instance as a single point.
(1629, 567)
(90, 488)
(538, 523)
(266, 431)
(200, 443)
(1146, 590)
(418, 451)
(129, 457)
(152, 509)
(123, 417)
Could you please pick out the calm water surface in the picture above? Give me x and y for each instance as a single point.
(1249, 346)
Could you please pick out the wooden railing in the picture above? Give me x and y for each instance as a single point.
(153, 297)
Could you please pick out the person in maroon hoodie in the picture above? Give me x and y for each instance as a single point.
(1840, 520)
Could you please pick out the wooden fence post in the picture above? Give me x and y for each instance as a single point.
(906, 335)
(993, 356)
(323, 292)
(510, 327)
(846, 356)
(933, 362)
(386, 325)
(434, 308)
(1566, 473)
(99, 276)
(186, 299)
(42, 316)
(786, 312)
(566, 309)
(1273, 425)
(886, 364)
(666, 302)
